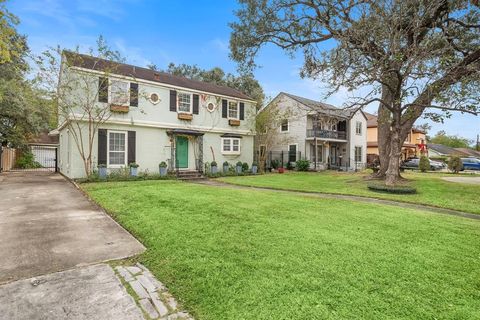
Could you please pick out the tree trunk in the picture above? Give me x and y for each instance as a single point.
(392, 174)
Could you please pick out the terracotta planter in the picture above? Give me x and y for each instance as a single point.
(281, 170)
(234, 122)
(118, 108)
(185, 116)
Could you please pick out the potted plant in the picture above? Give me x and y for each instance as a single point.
(133, 169)
(225, 167)
(102, 171)
(238, 167)
(254, 167)
(163, 168)
(213, 167)
(281, 170)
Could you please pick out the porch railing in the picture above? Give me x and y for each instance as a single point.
(327, 134)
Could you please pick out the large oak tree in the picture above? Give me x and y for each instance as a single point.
(416, 58)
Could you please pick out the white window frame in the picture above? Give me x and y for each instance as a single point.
(288, 125)
(108, 149)
(191, 102)
(358, 128)
(355, 154)
(231, 146)
(110, 97)
(228, 110)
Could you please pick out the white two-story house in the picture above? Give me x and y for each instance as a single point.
(329, 137)
(152, 117)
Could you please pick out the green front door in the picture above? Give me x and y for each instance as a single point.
(182, 152)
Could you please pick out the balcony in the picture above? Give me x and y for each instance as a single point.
(327, 134)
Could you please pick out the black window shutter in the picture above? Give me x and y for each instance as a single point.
(102, 89)
(102, 146)
(195, 104)
(133, 94)
(173, 100)
(131, 147)
(242, 111)
(224, 108)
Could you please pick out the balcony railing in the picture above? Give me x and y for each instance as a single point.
(327, 134)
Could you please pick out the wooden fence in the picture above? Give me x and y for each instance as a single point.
(8, 158)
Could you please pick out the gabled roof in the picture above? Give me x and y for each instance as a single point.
(442, 149)
(321, 107)
(44, 138)
(371, 120)
(469, 152)
(97, 64)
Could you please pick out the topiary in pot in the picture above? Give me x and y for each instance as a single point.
(225, 167)
(133, 169)
(163, 168)
(213, 167)
(424, 164)
(254, 168)
(102, 171)
(238, 167)
(244, 167)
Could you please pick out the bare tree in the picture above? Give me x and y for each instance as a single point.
(414, 56)
(267, 128)
(81, 95)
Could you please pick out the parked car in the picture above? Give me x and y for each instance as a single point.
(414, 163)
(471, 163)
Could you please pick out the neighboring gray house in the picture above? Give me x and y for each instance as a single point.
(440, 150)
(329, 137)
(155, 117)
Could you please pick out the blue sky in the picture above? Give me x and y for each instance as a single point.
(163, 31)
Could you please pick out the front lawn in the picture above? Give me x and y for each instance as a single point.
(431, 189)
(241, 254)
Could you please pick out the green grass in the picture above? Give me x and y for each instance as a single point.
(241, 254)
(431, 189)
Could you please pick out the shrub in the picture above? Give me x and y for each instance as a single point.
(289, 166)
(303, 165)
(239, 163)
(27, 161)
(254, 164)
(455, 164)
(163, 164)
(226, 163)
(213, 163)
(133, 165)
(424, 164)
(244, 167)
(275, 164)
(398, 189)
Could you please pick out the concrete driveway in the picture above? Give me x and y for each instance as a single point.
(47, 225)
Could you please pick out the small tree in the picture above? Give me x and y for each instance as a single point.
(76, 93)
(455, 164)
(424, 164)
(267, 125)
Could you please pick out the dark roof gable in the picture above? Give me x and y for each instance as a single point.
(89, 62)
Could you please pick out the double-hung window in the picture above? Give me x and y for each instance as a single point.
(119, 92)
(184, 102)
(117, 148)
(358, 128)
(231, 145)
(285, 125)
(358, 154)
(233, 110)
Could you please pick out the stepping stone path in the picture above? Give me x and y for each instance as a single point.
(153, 296)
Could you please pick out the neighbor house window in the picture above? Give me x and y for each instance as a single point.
(233, 110)
(231, 145)
(184, 102)
(284, 126)
(119, 92)
(358, 154)
(117, 149)
(358, 128)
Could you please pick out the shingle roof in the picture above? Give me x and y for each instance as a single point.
(322, 107)
(469, 152)
(440, 148)
(44, 138)
(371, 120)
(93, 63)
